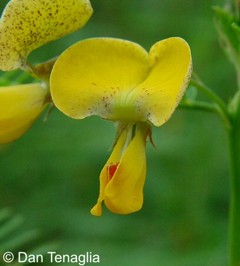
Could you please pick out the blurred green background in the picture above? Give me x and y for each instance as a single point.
(50, 175)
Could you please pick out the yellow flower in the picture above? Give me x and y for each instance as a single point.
(20, 105)
(24, 26)
(123, 176)
(119, 81)
(28, 24)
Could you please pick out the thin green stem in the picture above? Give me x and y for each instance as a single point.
(231, 118)
(234, 146)
(210, 94)
(238, 75)
(28, 68)
(222, 107)
(236, 8)
(198, 105)
(40, 71)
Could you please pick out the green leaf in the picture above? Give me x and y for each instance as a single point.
(229, 32)
(14, 237)
(10, 226)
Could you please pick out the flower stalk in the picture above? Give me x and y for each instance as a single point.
(220, 106)
(231, 119)
(234, 147)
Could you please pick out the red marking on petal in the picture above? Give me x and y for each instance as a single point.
(111, 169)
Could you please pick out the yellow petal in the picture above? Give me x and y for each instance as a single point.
(94, 76)
(161, 92)
(20, 105)
(28, 24)
(124, 193)
(113, 159)
(118, 80)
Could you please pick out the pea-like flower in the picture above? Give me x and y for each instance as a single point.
(120, 81)
(26, 25)
(20, 105)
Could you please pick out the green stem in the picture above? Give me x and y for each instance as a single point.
(198, 105)
(211, 95)
(222, 108)
(238, 75)
(234, 145)
(40, 71)
(231, 118)
(236, 8)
